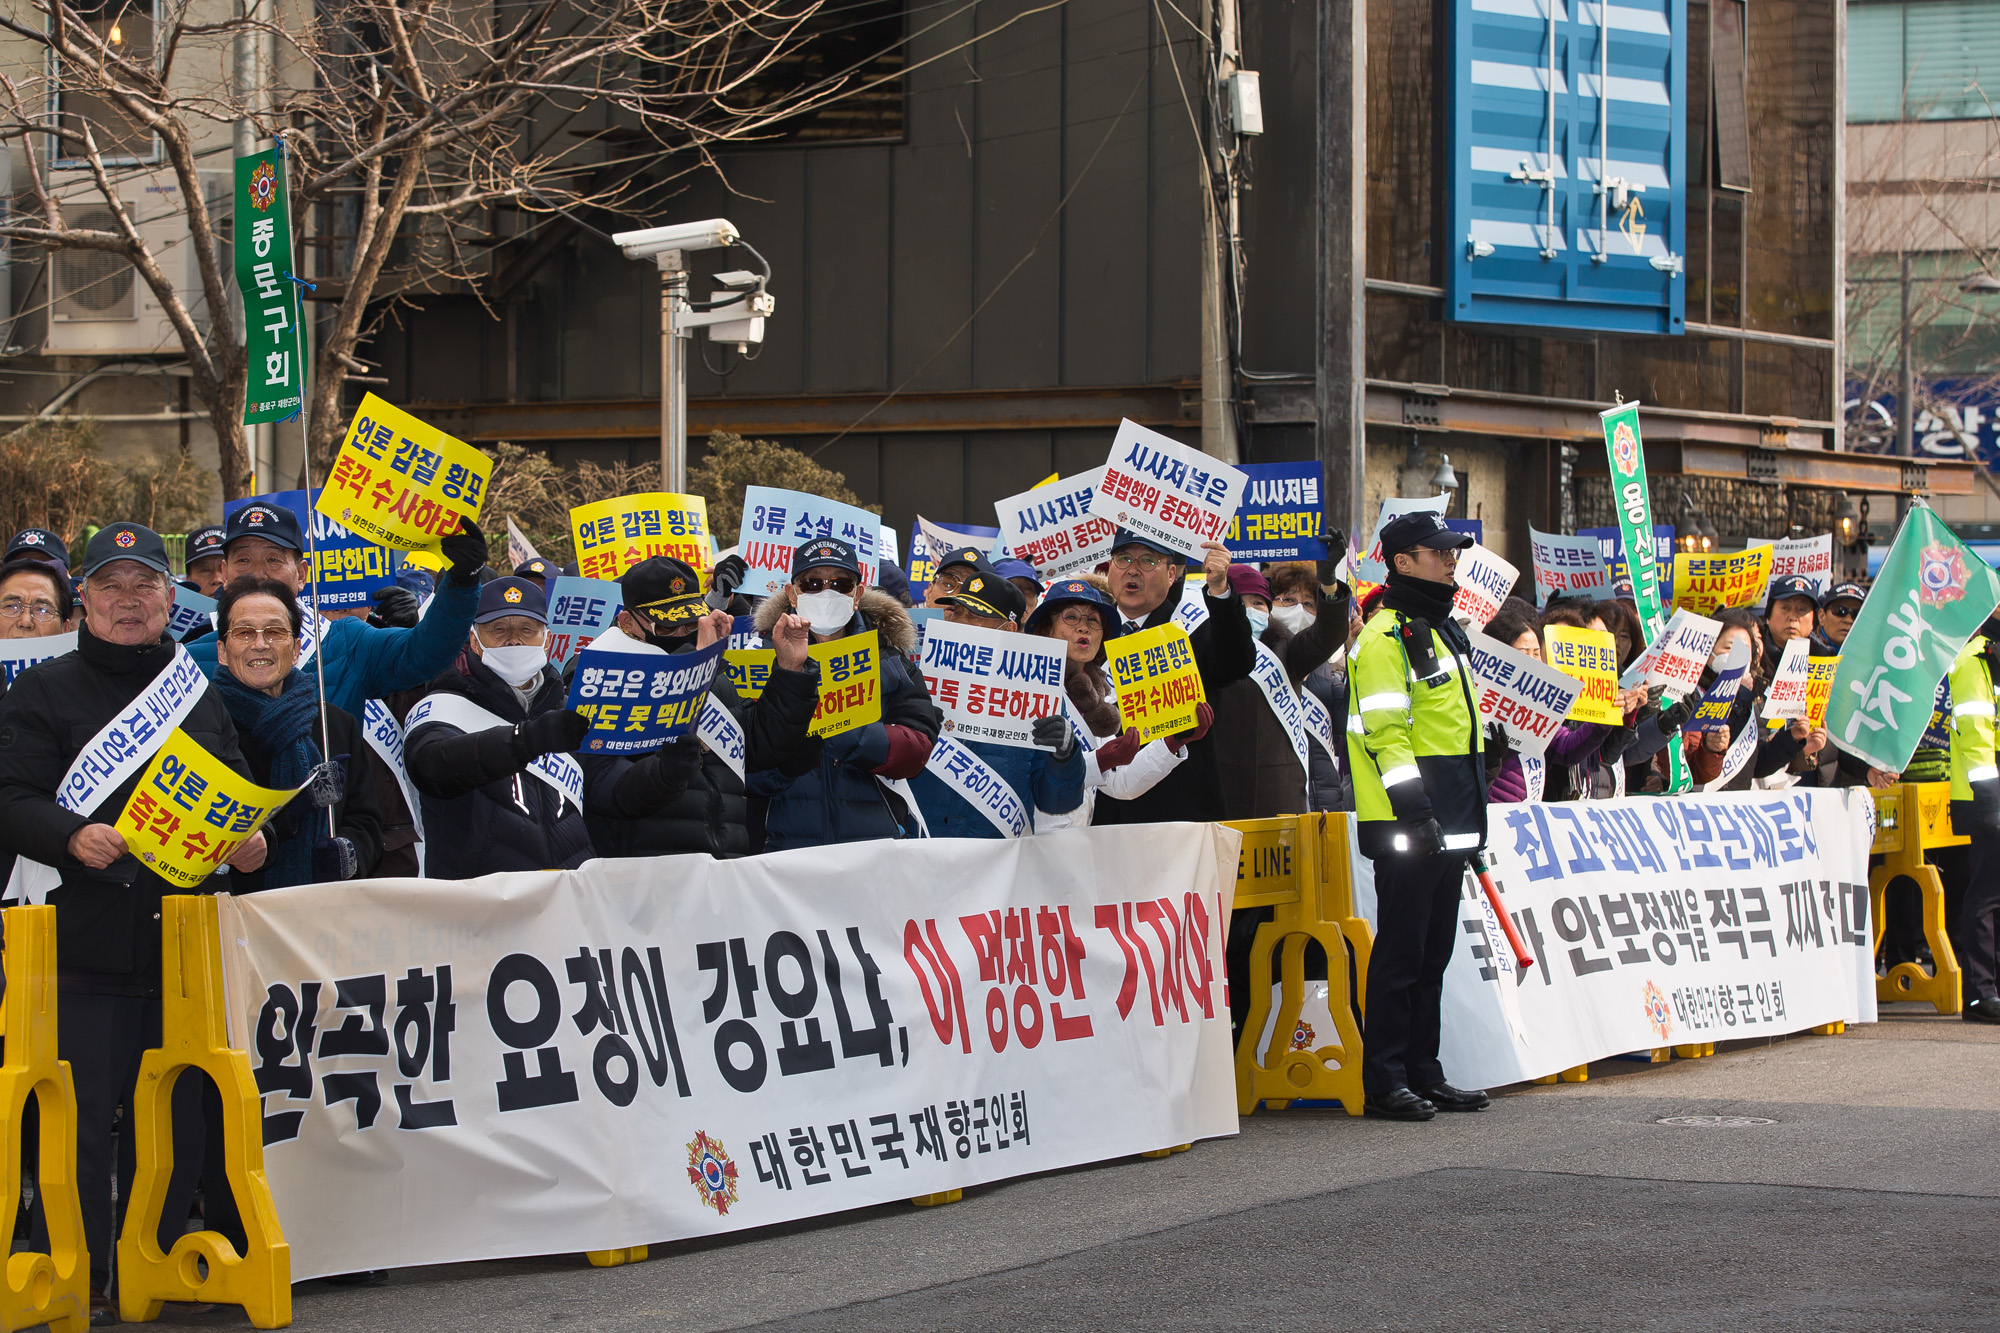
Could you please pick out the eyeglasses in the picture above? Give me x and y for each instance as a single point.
(14, 610)
(842, 584)
(1838, 612)
(1079, 620)
(1149, 563)
(246, 635)
(949, 582)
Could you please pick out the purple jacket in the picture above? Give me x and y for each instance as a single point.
(1573, 743)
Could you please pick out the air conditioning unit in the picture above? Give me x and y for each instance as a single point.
(98, 305)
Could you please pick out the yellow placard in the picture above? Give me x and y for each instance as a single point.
(850, 683)
(191, 810)
(402, 483)
(749, 669)
(1591, 656)
(1819, 688)
(1702, 583)
(1158, 685)
(614, 535)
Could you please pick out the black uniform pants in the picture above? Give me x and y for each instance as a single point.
(103, 1037)
(1979, 917)
(1416, 924)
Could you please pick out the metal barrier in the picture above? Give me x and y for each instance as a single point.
(1298, 866)
(52, 1288)
(1910, 819)
(204, 1265)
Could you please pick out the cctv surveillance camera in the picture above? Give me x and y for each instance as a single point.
(709, 235)
(736, 279)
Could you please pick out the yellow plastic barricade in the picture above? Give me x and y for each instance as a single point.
(52, 1288)
(203, 1266)
(1298, 866)
(1911, 818)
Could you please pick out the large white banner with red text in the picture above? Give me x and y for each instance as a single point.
(645, 1050)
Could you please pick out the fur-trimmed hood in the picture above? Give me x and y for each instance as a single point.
(877, 611)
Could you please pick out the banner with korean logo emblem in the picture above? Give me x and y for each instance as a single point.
(273, 344)
(992, 684)
(1158, 685)
(1590, 656)
(401, 482)
(613, 535)
(639, 697)
(579, 611)
(778, 522)
(1658, 922)
(1165, 491)
(850, 683)
(190, 811)
(352, 569)
(1051, 527)
(652, 1049)
(1707, 583)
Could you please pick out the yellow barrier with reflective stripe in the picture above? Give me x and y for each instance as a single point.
(1910, 819)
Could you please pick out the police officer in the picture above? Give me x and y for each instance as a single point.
(1975, 811)
(1420, 795)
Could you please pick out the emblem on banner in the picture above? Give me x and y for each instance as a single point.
(1302, 1036)
(1940, 575)
(711, 1172)
(263, 187)
(1625, 448)
(1657, 1011)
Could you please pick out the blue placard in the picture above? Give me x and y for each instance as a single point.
(190, 611)
(1712, 713)
(1611, 542)
(579, 611)
(639, 701)
(1937, 736)
(1281, 517)
(923, 560)
(743, 633)
(351, 569)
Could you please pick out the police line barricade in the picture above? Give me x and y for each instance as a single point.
(1910, 819)
(51, 1288)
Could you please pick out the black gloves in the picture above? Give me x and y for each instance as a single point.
(1496, 748)
(327, 784)
(1053, 733)
(726, 579)
(466, 552)
(1674, 715)
(558, 731)
(1426, 839)
(1616, 742)
(395, 608)
(333, 859)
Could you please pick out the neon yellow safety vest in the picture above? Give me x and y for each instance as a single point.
(1413, 746)
(1971, 720)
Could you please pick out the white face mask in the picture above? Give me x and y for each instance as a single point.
(828, 612)
(1294, 617)
(1259, 621)
(517, 665)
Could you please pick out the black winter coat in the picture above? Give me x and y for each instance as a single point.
(483, 811)
(672, 801)
(107, 921)
(356, 814)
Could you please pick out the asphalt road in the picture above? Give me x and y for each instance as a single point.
(1865, 1204)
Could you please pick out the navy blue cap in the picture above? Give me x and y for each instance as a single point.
(1793, 585)
(1125, 537)
(512, 597)
(39, 544)
(1069, 592)
(125, 541)
(1017, 569)
(1425, 527)
(967, 555)
(204, 542)
(1844, 592)
(537, 568)
(272, 522)
(826, 553)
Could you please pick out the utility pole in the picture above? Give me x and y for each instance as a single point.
(1906, 394)
(1218, 240)
(1340, 307)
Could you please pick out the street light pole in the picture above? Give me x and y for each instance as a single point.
(1906, 394)
(673, 371)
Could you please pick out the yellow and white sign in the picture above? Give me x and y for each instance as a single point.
(191, 810)
(1819, 688)
(1158, 685)
(1704, 582)
(850, 683)
(1591, 656)
(749, 669)
(402, 483)
(614, 535)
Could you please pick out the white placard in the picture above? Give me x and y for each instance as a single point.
(1572, 566)
(777, 522)
(1527, 697)
(1807, 557)
(1370, 567)
(1484, 581)
(1165, 491)
(583, 1098)
(1052, 528)
(17, 655)
(1786, 696)
(1682, 652)
(992, 684)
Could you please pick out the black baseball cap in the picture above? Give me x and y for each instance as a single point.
(1124, 537)
(125, 541)
(1425, 527)
(260, 518)
(512, 597)
(38, 543)
(966, 555)
(663, 592)
(1843, 592)
(988, 594)
(1793, 585)
(825, 553)
(204, 542)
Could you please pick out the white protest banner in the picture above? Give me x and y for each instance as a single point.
(1527, 697)
(1369, 568)
(1684, 646)
(1052, 528)
(17, 655)
(585, 1065)
(992, 684)
(1786, 697)
(1165, 491)
(777, 522)
(1570, 566)
(1662, 921)
(579, 611)
(519, 549)
(1484, 581)
(885, 544)
(1807, 557)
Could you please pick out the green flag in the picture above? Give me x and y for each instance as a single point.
(273, 341)
(1932, 595)
(1626, 453)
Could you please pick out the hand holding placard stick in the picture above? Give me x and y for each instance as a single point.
(402, 483)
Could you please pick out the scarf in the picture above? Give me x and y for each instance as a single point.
(286, 729)
(1091, 692)
(1419, 597)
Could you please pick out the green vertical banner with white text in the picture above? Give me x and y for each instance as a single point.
(1626, 453)
(273, 341)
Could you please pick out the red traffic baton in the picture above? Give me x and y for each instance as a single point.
(1520, 947)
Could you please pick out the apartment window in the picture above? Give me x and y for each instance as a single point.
(127, 27)
(1923, 60)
